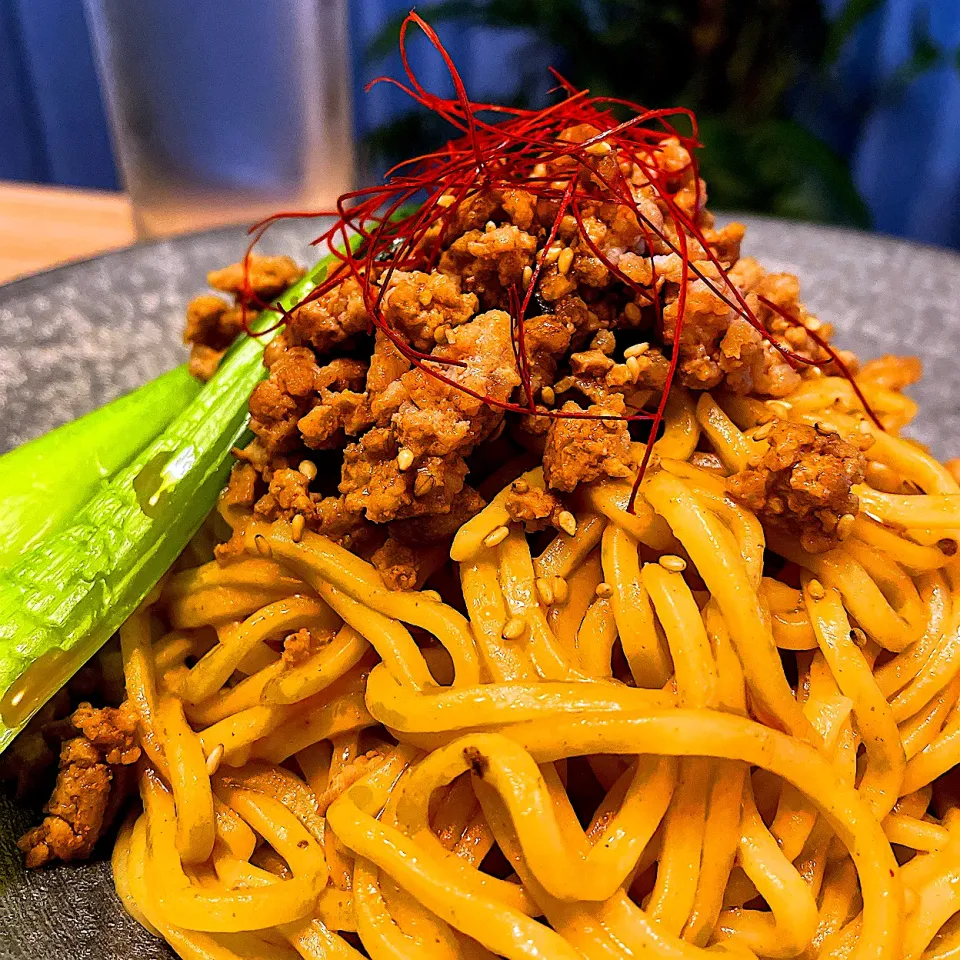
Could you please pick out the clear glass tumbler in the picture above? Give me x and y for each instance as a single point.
(224, 111)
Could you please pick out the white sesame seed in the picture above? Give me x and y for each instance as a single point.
(214, 759)
(423, 484)
(636, 350)
(514, 629)
(845, 525)
(297, 527)
(309, 469)
(405, 459)
(673, 563)
(545, 591)
(263, 548)
(496, 536)
(599, 149)
(527, 276)
(567, 522)
(561, 590)
(548, 396)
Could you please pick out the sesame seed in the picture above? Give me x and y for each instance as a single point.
(567, 522)
(423, 484)
(632, 312)
(263, 548)
(599, 149)
(214, 759)
(496, 537)
(636, 349)
(604, 591)
(297, 527)
(527, 276)
(827, 429)
(561, 590)
(763, 431)
(545, 591)
(779, 408)
(565, 261)
(633, 368)
(858, 636)
(673, 563)
(405, 459)
(309, 469)
(548, 396)
(845, 525)
(514, 629)
(815, 589)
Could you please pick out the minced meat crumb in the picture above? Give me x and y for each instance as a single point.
(803, 483)
(300, 646)
(534, 507)
(77, 810)
(579, 450)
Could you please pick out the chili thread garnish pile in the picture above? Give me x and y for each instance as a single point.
(404, 223)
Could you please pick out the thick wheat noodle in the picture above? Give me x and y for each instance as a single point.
(730, 812)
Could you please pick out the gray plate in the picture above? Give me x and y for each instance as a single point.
(75, 337)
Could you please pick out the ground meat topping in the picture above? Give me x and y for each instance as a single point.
(580, 450)
(301, 646)
(267, 276)
(802, 483)
(534, 507)
(394, 444)
(423, 306)
(76, 812)
(397, 564)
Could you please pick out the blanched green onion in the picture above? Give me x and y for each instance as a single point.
(62, 599)
(45, 481)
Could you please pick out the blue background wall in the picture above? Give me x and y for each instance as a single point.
(904, 149)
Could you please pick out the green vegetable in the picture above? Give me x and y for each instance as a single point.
(65, 597)
(46, 480)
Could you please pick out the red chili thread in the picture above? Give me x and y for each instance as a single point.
(524, 150)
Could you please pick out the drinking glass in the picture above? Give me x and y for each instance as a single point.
(225, 111)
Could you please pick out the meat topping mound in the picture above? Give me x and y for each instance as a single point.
(394, 407)
(802, 483)
(580, 449)
(77, 812)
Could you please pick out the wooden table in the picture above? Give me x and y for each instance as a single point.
(42, 226)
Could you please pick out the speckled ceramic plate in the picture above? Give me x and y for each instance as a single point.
(75, 337)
